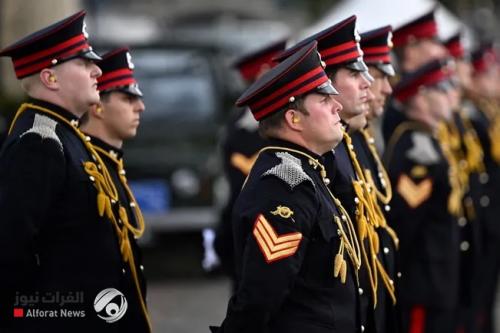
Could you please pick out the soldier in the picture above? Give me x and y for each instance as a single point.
(340, 50)
(108, 124)
(240, 146)
(415, 44)
(466, 156)
(59, 249)
(376, 46)
(296, 250)
(485, 117)
(427, 231)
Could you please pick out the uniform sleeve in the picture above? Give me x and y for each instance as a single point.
(274, 246)
(31, 175)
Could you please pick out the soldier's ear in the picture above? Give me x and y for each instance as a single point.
(49, 79)
(293, 119)
(97, 110)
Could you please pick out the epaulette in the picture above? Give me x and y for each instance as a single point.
(45, 127)
(289, 170)
(423, 150)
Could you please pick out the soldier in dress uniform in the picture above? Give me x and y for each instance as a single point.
(485, 118)
(59, 249)
(340, 50)
(376, 46)
(470, 178)
(108, 124)
(297, 254)
(428, 232)
(240, 145)
(415, 44)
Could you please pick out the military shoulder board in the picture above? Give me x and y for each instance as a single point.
(289, 170)
(423, 150)
(45, 127)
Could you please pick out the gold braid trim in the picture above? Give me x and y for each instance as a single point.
(107, 194)
(369, 217)
(382, 172)
(458, 174)
(475, 153)
(491, 109)
(348, 240)
(139, 231)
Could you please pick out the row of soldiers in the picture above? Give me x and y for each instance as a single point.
(323, 233)
(69, 219)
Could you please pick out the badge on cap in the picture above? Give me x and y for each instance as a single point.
(357, 37)
(389, 40)
(84, 30)
(129, 61)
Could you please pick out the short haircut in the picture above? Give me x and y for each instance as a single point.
(269, 126)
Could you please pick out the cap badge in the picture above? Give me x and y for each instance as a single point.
(84, 30)
(129, 61)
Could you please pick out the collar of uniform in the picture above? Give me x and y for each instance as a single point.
(291, 145)
(116, 153)
(71, 118)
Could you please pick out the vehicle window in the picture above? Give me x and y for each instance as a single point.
(177, 86)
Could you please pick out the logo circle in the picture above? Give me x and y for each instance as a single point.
(110, 305)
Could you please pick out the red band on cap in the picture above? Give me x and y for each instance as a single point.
(53, 50)
(455, 48)
(283, 101)
(287, 87)
(114, 74)
(343, 58)
(383, 58)
(25, 71)
(117, 83)
(424, 30)
(427, 80)
(369, 50)
(338, 49)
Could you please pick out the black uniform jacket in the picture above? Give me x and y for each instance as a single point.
(285, 243)
(134, 317)
(386, 315)
(428, 234)
(53, 244)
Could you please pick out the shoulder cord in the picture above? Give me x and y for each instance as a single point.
(382, 172)
(107, 194)
(490, 109)
(137, 232)
(458, 176)
(475, 153)
(369, 217)
(348, 240)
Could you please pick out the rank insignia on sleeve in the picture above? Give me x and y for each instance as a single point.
(243, 163)
(414, 194)
(273, 246)
(283, 211)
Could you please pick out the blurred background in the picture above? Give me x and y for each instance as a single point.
(183, 51)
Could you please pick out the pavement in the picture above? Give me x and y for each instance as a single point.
(187, 306)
